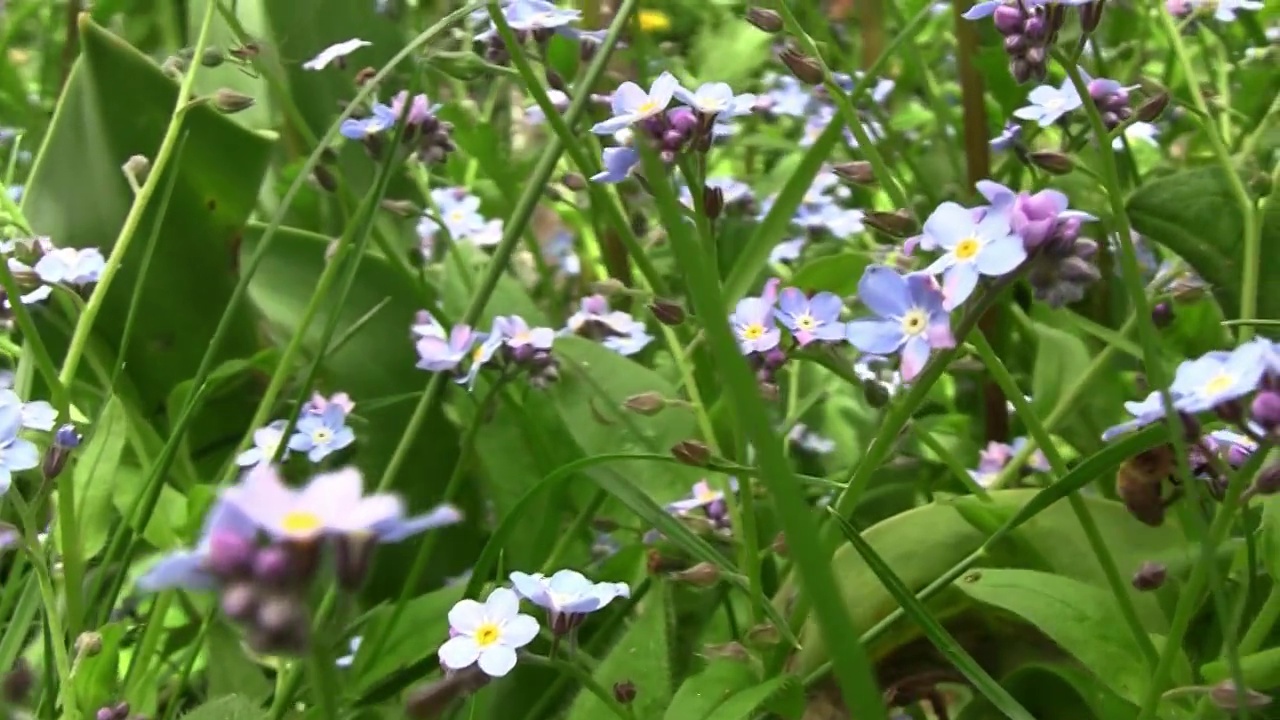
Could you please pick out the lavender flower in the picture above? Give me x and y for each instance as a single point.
(482, 354)
(70, 266)
(973, 247)
(717, 100)
(1219, 377)
(36, 415)
(635, 340)
(334, 53)
(787, 251)
(266, 442)
(618, 163)
(1008, 138)
(567, 596)
(192, 569)
(321, 435)
(381, 119)
(912, 318)
(810, 319)
(788, 97)
(753, 324)
(517, 334)
(704, 497)
(1048, 103)
(488, 634)
(436, 354)
(459, 211)
(631, 104)
(16, 453)
(1145, 412)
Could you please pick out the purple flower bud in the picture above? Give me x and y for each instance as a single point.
(1016, 44)
(654, 125)
(1266, 409)
(231, 555)
(239, 601)
(1021, 70)
(775, 358)
(683, 119)
(1036, 29)
(67, 437)
(1034, 217)
(105, 713)
(274, 566)
(352, 556)
(1150, 576)
(1009, 20)
(1162, 315)
(1037, 56)
(673, 139)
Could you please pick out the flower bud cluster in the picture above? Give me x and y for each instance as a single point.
(1112, 101)
(263, 588)
(1029, 32)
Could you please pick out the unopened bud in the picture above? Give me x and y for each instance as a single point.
(897, 223)
(1266, 410)
(574, 181)
(1226, 696)
(692, 452)
(667, 312)
(624, 692)
(239, 600)
(1153, 107)
(1054, 163)
(432, 701)
(858, 172)
(324, 178)
(403, 208)
(875, 392)
(228, 101)
(555, 82)
(364, 75)
(18, 682)
(764, 634)
(728, 651)
(1150, 576)
(646, 403)
(704, 574)
(1267, 481)
(608, 286)
(55, 458)
(136, 169)
(766, 20)
(656, 562)
(779, 544)
(212, 57)
(712, 202)
(1091, 15)
(88, 645)
(1162, 315)
(805, 68)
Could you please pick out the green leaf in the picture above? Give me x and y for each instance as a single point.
(227, 707)
(642, 656)
(835, 273)
(1060, 359)
(1194, 214)
(932, 628)
(1080, 618)
(163, 527)
(773, 694)
(730, 52)
(95, 476)
(702, 693)
(116, 104)
(1270, 550)
(97, 677)
(422, 627)
(230, 670)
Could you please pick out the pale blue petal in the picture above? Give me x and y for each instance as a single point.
(883, 291)
(880, 337)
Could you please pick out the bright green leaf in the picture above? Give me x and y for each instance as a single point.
(422, 627)
(835, 273)
(642, 656)
(95, 476)
(227, 707)
(230, 670)
(750, 703)
(702, 693)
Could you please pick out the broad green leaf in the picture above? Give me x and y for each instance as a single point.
(456, 289)
(1056, 690)
(163, 529)
(642, 656)
(594, 383)
(730, 52)
(1080, 618)
(230, 670)
(1194, 214)
(422, 627)
(95, 476)
(376, 362)
(1060, 359)
(702, 693)
(117, 104)
(227, 707)
(252, 17)
(835, 273)
(748, 704)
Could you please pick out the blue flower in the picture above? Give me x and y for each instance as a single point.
(1145, 412)
(321, 435)
(436, 354)
(788, 97)
(632, 104)
(190, 569)
(1008, 137)
(517, 334)
(753, 323)
(70, 266)
(618, 164)
(16, 453)
(459, 211)
(733, 191)
(1219, 377)
(1049, 103)
(973, 247)
(912, 319)
(717, 99)
(1037, 461)
(530, 15)
(381, 119)
(630, 343)
(810, 319)
(481, 355)
(567, 596)
(36, 415)
(787, 251)
(266, 442)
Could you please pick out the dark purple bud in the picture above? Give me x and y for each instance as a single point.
(897, 223)
(1153, 107)
(654, 126)
(55, 458)
(668, 312)
(712, 202)
(1054, 163)
(351, 560)
(67, 437)
(17, 683)
(1150, 576)
(239, 601)
(1021, 70)
(673, 140)
(281, 626)
(275, 566)
(555, 81)
(324, 178)
(1091, 16)
(683, 120)
(1078, 271)
(432, 701)
(667, 156)
(1009, 19)
(1268, 480)
(625, 692)
(278, 612)
(692, 452)
(1266, 410)
(766, 20)
(574, 181)
(858, 172)
(1084, 248)
(775, 358)
(231, 556)
(805, 68)
(1016, 45)
(1162, 315)
(1037, 55)
(105, 713)
(1110, 120)
(1036, 29)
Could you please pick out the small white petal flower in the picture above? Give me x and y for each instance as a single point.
(488, 634)
(334, 52)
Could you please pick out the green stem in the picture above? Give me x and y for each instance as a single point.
(1262, 623)
(1119, 589)
(49, 596)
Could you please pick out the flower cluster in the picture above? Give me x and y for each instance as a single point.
(993, 459)
(321, 430)
(820, 212)
(535, 20)
(671, 131)
(458, 213)
(617, 330)
(512, 345)
(709, 501)
(424, 132)
(488, 634)
(39, 266)
(263, 542)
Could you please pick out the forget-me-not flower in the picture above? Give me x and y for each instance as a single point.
(787, 251)
(381, 118)
(266, 442)
(631, 104)
(618, 163)
(16, 453)
(437, 354)
(70, 266)
(190, 569)
(1219, 377)
(1049, 103)
(973, 247)
(321, 435)
(482, 353)
(716, 98)
(754, 326)
(912, 318)
(36, 415)
(810, 319)
(1145, 412)
(567, 596)
(517, 334)
(488, 634)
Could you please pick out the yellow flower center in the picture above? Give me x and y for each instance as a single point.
(648, 107)
(753, 331)
(1218, 384)
(653, 21)
(487, 634)
(320, 436)
(806, 322)
(522, 337)
(914, 322)
(967, 248)
(300, 522)
(477, 355)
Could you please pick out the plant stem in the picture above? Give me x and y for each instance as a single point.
(49, 596)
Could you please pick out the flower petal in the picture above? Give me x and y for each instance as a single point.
(466, 616)
(519, 631)
(958, 284)
(664, 86)
(458, 652)
(914, 355)
(497, 660)
(880, 337)
(1001, 256)
(627, 99)
(883, 291)
(949, 224)
(502, 604)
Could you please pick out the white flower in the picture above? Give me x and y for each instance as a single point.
(346, 660)
(567, 592)
(632, 104)
(488, 633)
(334, 52)
(717, 99)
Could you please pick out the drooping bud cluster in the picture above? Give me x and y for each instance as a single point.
(263, 589)
(1029, 32)
(428, 136)
(1112, 101)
